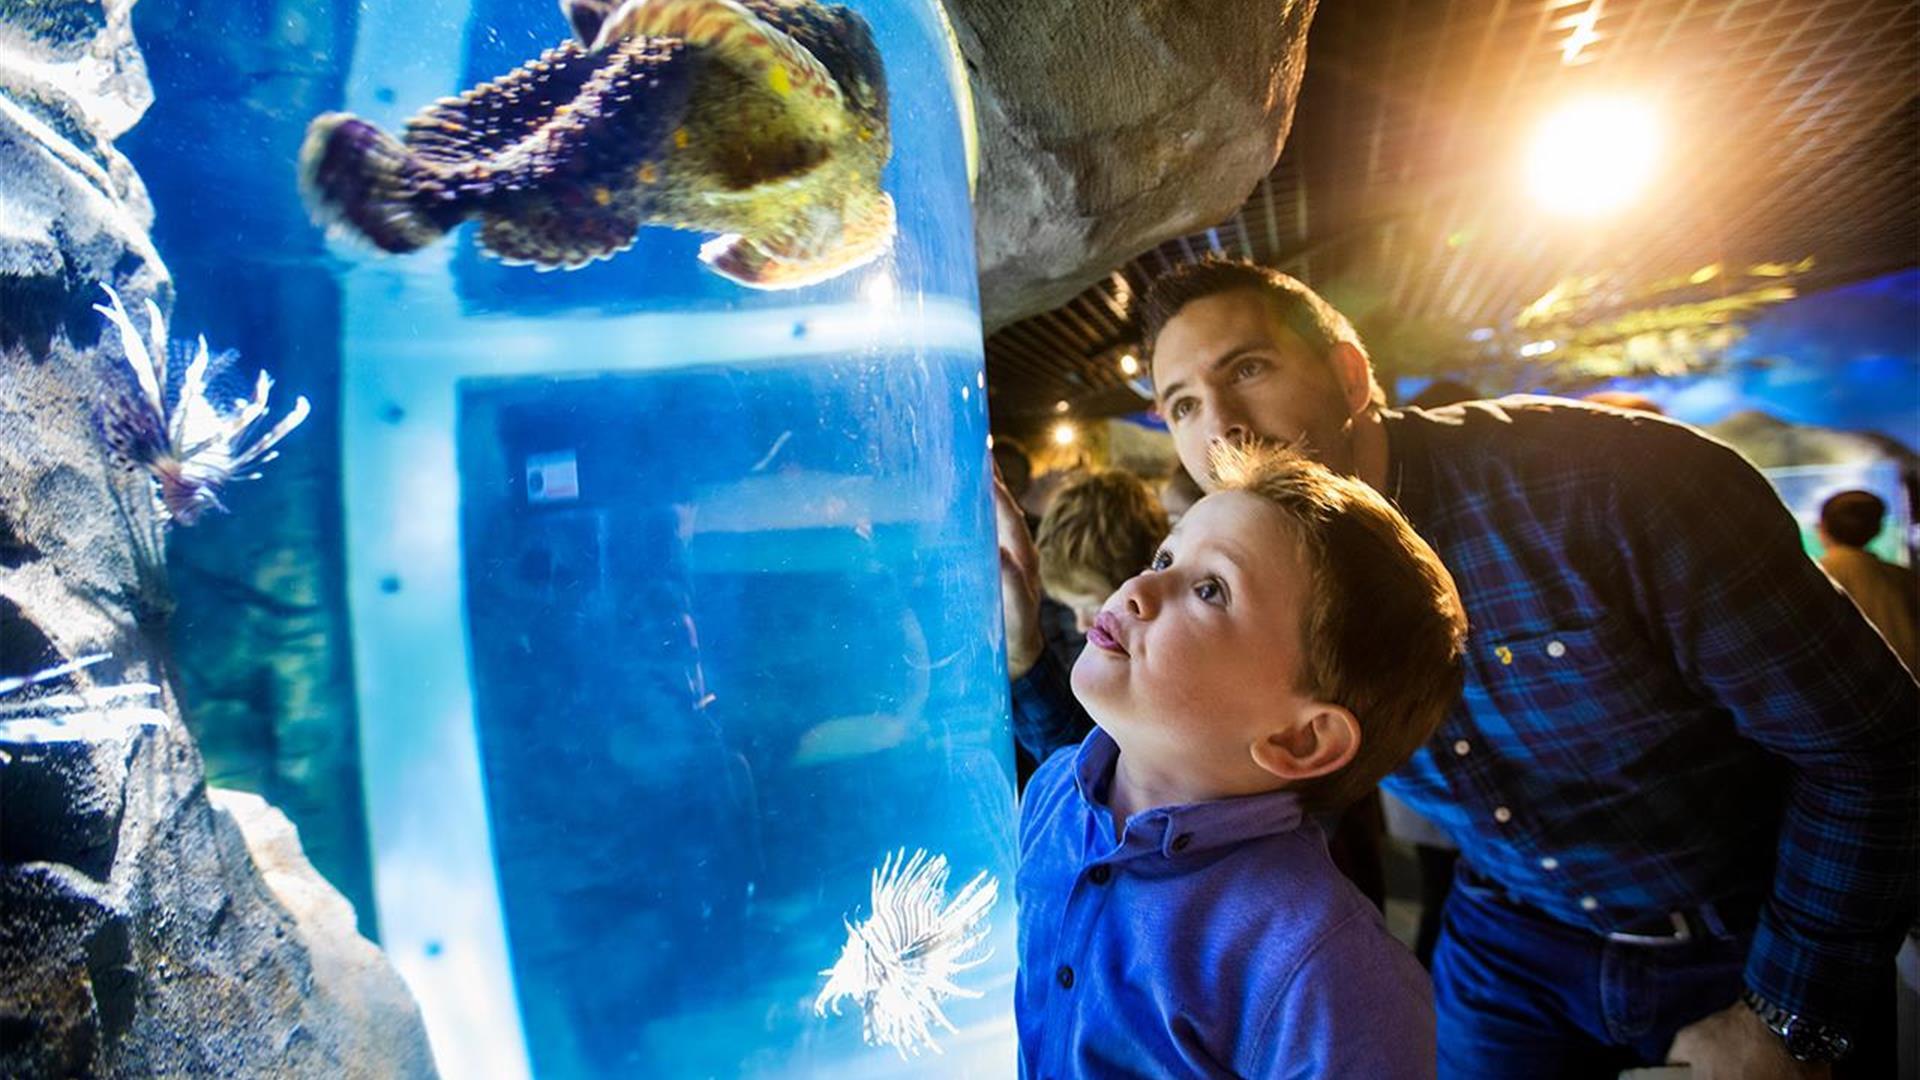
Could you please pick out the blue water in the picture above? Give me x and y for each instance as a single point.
(672, 605)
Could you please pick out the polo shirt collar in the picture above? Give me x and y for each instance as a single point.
(1174, 831)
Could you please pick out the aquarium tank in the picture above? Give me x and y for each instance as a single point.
(644, 685)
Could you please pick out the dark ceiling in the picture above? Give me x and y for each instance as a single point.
(1790, 132)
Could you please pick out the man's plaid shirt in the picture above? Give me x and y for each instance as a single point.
(1667, 703)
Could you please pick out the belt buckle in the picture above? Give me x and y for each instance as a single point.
(1682, 933)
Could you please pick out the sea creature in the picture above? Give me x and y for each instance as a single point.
(189, 446)
(98, 712)
(762, 120)
(899, 962)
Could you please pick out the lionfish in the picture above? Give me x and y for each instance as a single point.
(899, 962)
(95, 713)
(189, 446)
(762, 120)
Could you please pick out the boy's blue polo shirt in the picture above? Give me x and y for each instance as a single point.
(1214, 939)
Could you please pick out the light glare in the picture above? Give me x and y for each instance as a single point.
(1593, 156)
(1064, 434)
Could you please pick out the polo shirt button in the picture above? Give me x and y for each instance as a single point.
(1549, 863)
(1502, 815)
(1101, 874)
(1180, 842)
(1588, 903)
(1556, 649)
(1462, 747)
(1065, 975)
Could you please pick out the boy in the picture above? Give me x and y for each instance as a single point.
(1291, 643)
(1100, 531)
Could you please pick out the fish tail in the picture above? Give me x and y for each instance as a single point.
(357, 177)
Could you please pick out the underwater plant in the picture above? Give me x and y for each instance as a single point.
(763, 121)
(189, 446)
(899, 962)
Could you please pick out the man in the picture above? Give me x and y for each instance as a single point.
(1682, 774)
(1886, 594)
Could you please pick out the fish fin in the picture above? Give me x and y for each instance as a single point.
(357, 178)
(488, 119)
(865, 235)
(553, 237)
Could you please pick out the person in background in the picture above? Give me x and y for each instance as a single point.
(1101, 530)
(1178, 493)
(1179, 914)
(1683, 773)
(1887, 595)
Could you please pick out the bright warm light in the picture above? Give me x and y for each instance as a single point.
(1064, 434)
(1593, 155)
(1129, 365)
(1061, 406)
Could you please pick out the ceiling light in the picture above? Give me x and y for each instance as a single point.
(1593, 155)
(1064, 434)
(1129, 365)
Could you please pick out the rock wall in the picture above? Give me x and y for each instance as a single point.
(1108, 126)
(261, 636)
(138, 934)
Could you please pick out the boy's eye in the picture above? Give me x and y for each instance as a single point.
(1161, 560)
(1248, 368)
(1211, 591)
(1179, 409)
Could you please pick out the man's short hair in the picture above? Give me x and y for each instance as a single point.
(1853, 518)
(1383, 629)
(1301, 309)
(1101, 530)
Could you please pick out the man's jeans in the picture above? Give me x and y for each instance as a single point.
(1520, 994)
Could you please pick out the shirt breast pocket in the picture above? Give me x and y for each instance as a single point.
(1591, 691)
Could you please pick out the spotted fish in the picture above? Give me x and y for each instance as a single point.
(764, 121)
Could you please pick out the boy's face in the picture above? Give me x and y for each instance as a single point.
(1196, 658)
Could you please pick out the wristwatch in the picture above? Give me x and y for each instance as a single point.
(1806, 1040)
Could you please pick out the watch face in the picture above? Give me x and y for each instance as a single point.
(1809, 1044)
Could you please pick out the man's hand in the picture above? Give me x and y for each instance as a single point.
(1733, 1044)
(1019, 581)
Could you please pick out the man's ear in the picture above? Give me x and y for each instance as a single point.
(1355, 374)
(1320, 739)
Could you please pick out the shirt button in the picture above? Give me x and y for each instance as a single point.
(1180, 842)
(1588, 903)
(1502, 815)
(1549, 863)
(1101, 874)
(1556, 649)
(1065, 976)
(1462, 747)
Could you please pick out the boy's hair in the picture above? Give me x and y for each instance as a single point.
(1301, 309)
(1383, 629)
(1101, 530)
(1853, 518)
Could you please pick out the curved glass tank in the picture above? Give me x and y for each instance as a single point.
(674, 616)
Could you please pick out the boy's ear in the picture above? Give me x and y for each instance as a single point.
(1318, 740)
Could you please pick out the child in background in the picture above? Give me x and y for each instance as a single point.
(1101, 530)
(1291, 643)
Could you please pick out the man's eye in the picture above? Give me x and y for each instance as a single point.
(1248, 368)
(1180, 409)
(1161, 560)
